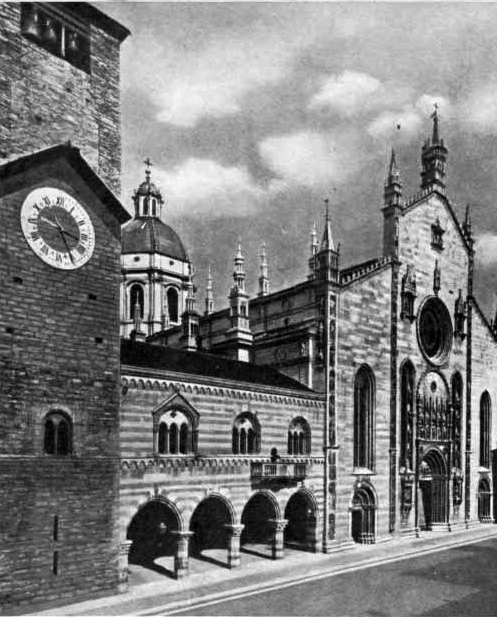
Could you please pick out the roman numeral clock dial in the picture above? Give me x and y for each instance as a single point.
(57, 228)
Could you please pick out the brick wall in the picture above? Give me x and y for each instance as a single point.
(50, 359)
(45, 101)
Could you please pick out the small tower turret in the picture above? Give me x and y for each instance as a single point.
(239, 337)
(314, 250)
(392, 208)
(393, 186)
(263, 276)
(209, 298)
(189, 318)
(326, 259)
(433, 158)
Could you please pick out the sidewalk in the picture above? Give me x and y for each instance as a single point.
(219, 583)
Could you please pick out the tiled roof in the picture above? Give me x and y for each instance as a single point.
(145, 355)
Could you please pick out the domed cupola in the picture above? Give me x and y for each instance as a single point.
(147, 198)
(146, 232)
(154, 264)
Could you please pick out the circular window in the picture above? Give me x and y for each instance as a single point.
(434, 330)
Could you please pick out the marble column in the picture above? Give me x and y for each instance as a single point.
(234, 533)
(181, 561)
(278, 547)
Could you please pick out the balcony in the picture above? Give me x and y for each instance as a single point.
(278, 471)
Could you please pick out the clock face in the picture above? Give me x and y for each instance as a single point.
(57, 228)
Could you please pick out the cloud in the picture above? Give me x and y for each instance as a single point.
(310, 158)
(401, 125)
(203, 187)
(347, 93)
(479, 110)
(425, 105)
(486, 249)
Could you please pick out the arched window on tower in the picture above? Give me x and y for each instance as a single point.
(136, 296)
(172, 304)
(57, 434)
(299, 437)
(364, 401)
(145, 206)
(154, 207)
(485, 430)
(246, 434)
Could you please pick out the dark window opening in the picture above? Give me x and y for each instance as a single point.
(364, 397)
(57, 436)
(136, 296)
(172, 304)
(56, 33)
(299, 437)
(485, 430)
(246, 435)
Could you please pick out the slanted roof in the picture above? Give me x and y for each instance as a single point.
(145, 355)
(84, 10)
(73, 156)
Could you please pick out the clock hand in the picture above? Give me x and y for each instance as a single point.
(61, 231)
(68, 233)
(44, 218)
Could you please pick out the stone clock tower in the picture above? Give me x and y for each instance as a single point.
(59, 378)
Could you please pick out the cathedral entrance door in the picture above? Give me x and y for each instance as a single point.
(433, 488)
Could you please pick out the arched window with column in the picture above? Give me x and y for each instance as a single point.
(364, 425)
(175, 426)
(172, 304)
(136, 297)
(299, 437)
(246, 434)
(485, 419)
(175, 434)
(57, 433)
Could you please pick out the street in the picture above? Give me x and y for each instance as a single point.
(459, 581)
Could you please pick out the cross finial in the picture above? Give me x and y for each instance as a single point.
(149, 164)
(327, 203)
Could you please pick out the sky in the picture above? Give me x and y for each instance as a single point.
(254, 113)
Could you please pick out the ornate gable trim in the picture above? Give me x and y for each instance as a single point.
(179, 402)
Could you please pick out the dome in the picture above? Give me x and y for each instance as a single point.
(151, 235)
(148, 188)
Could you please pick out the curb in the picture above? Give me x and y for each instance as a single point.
(282, 582)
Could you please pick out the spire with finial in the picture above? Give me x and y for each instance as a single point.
(314, 250)
(209, 298)
(433, 158)
(327, 243)
(189, 319)
(326, 259)
(467, 226)
(393, 186)
(190, 291)
(147, 198)
(263, 276)
(239, 272)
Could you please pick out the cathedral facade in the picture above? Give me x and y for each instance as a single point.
(355, 406)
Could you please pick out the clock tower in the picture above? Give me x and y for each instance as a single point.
(59, 379)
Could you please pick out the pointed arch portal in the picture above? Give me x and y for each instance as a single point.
(433, 485)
